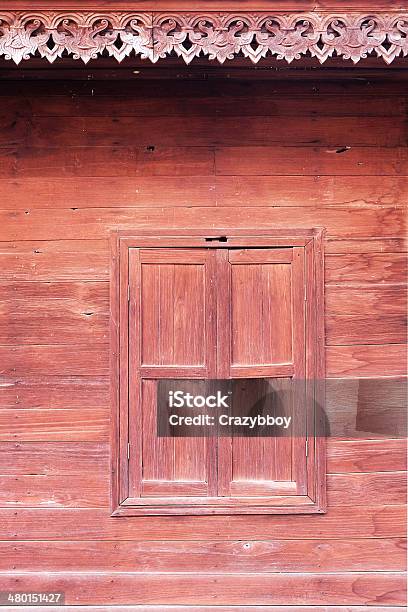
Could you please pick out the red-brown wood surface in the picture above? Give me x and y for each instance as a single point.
(172, 301)
(78, 159)
(205, 588)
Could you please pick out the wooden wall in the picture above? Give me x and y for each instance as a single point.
(78, 159)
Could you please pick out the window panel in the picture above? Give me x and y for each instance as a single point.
(235, 312)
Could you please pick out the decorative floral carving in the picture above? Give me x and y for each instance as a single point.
(83, 41)
(21, 38)
(87, 35)
(287, 37)
(353, 38)
(193, 35)
(397, 34)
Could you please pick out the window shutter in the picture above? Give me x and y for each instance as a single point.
(171, 335)
(244, 308)
(264, 321)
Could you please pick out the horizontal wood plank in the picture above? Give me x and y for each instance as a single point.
(367, 489)
(368, 245)
(366, 360)
(216, 608)
(96, 223)
(336, 159)
(79, 424)
(54, 260)
(84, 360)
(211, 103)
(54, 360)
(366, 329)
(53, 458)
(166, 89)
(87, 490)
(366, 455)
(57, 392)
(98, 192)
(202, 131)
(106, 161)
(366, 268)
(239, 169)
(376, 261)
(218, 557)
(92, 490)
(370, 301)
(62, 458)
(49, 313)
(283, 589)
(310, 191)
(89, 524)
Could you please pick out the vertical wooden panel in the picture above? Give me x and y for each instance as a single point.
(173, 314)
(267, 328)
(261, 314)
(174, 295)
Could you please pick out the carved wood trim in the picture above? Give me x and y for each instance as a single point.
(218, 36)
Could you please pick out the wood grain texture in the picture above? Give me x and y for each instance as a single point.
(54, 360)
(370, 268)
(53, 458)
(61, 458)
(305, 71)
(53, 192)
(54, 313)
(120, 588)
(341, 158)
(363, 489)
(167, 89)
(95, 223)
(91, 524)
(81, 158)
(57, 392)
(202, 131)
(193, 608)
(191, 104)
(372, 301)
(105, 161)
(79, 424)
(85, 490)
(216, 608)
(366, 455)
(92, 490)
(369, 245)
(310, 187)
(374, 329)
(366, 360)
(54, 260)
(255, 5)
(337, 160)
(218, 557)
(61, 260)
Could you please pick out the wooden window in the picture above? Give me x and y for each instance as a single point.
(247, 306)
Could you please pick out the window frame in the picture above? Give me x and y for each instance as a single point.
(121, 243)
